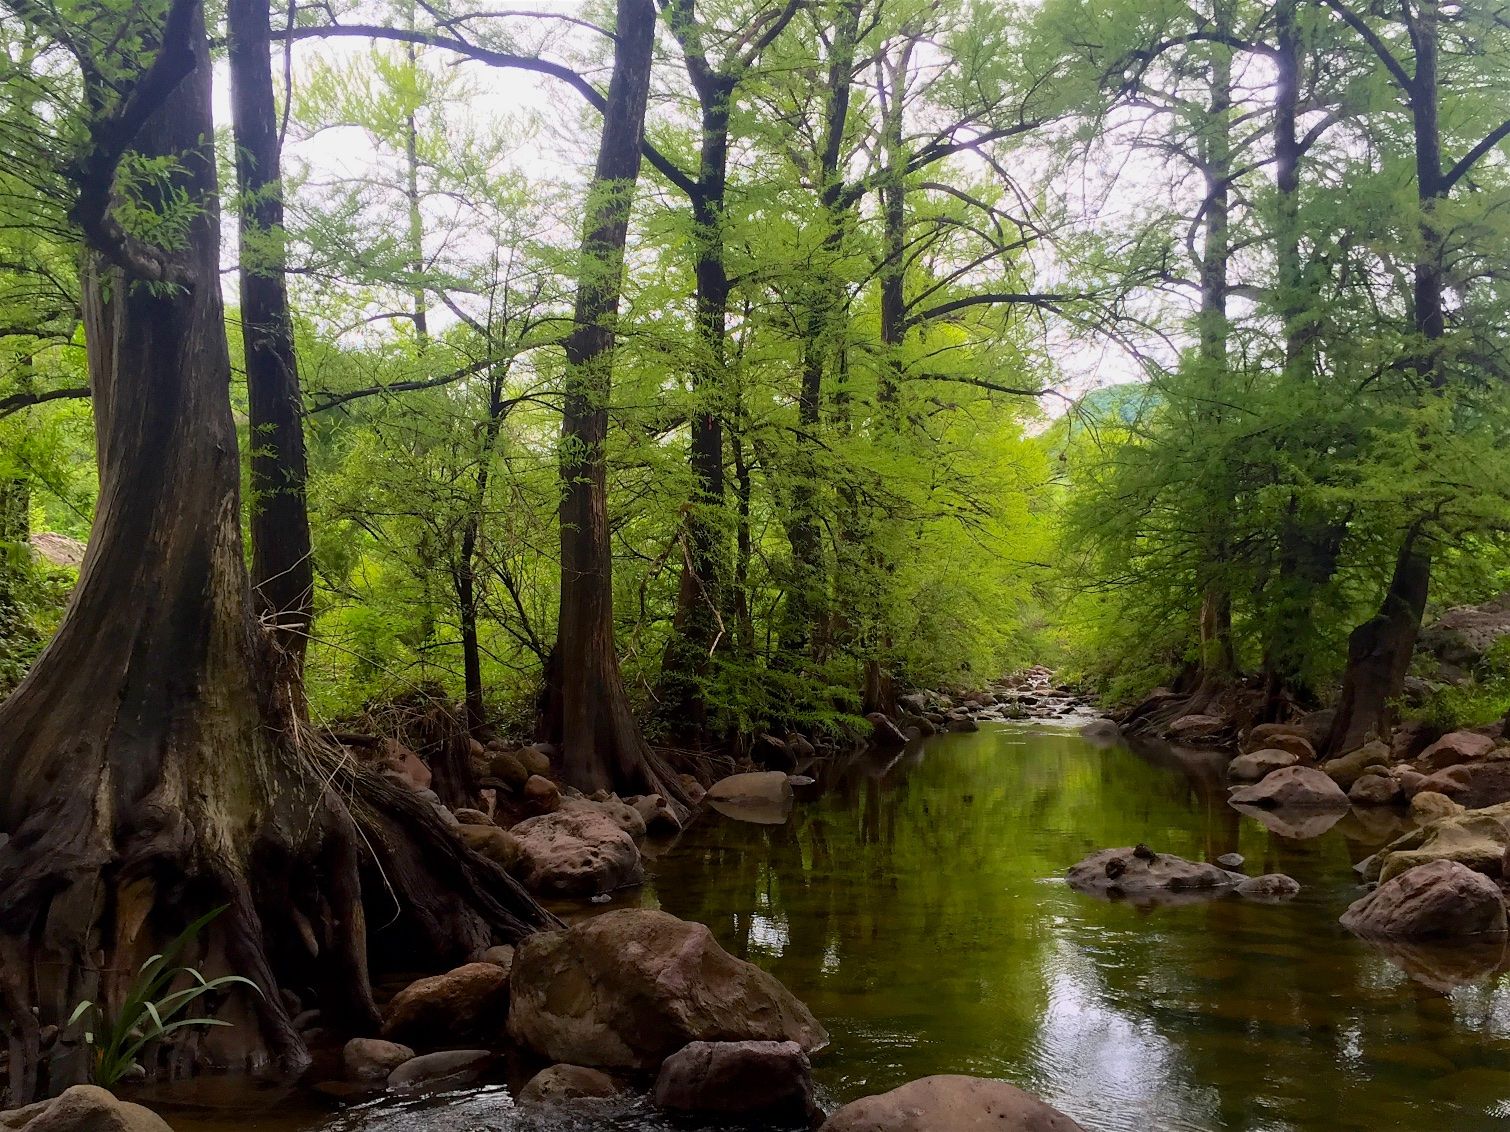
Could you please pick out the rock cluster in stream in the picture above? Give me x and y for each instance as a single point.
(1032, 694)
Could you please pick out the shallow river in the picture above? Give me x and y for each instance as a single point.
(916, 908)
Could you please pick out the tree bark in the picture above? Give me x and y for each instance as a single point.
(282, 561)
(586, 711)
(1379, 652)
(154, 766)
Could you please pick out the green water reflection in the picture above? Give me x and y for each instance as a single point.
(916, 908)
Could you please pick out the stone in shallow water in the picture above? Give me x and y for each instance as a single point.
(1138, 873)
(1231, 861)
(444, 1070)
(1292, 787)
(769, 1081)
(951, 1104)
(1441, 899)
(1268, 888)
(561, 1083)
(628, 988)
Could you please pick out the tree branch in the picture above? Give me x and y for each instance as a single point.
(664, 165)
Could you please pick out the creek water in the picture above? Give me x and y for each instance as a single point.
(915, 904)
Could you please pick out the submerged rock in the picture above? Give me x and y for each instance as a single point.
(630, 987)
(1140, 872)
(771, 1082)
(1441, 899)
(1298, 825)
(84, 1108)
(1269, 888)
(442, 1070)
(952, 1103)
(577, 852)
(561, 1083)
(1293, 787)
(465, 1004)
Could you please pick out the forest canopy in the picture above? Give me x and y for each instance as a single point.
(1147, 339)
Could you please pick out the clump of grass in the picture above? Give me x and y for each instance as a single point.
(150, 1011)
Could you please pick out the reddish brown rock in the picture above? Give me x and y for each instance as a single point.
(560, 1083)
(771, 1082)
(541, 795)
(466, 1004)
(1294, 787)
(955, 1104)
(1473, 785)
(1454, 749)
(578, 852)
(629, 988)
(1441, 899)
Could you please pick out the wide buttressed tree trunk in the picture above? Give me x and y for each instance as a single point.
(282, 568)
(587, 713)
(152, 770)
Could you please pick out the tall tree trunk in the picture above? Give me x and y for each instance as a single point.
(1379, 650)
(468, 599)
(282, 564)
(804, 611)
(199, 787)
(698, 626)
(587, 712)
(1218, 661)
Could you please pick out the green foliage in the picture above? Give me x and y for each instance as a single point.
(149, 1012)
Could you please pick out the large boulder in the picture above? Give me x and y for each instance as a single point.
(769, 1082)
(952, 1103)
(1463, 635)
(576, 852)
(1349, 768)
(1454, 749)
(1473, 785)
(466, 1004)
(629, 988)
(1138, 871)
(1258, 764)
(84, 1108)
(1476, 839)
(1294, 787)
(1441, 899)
